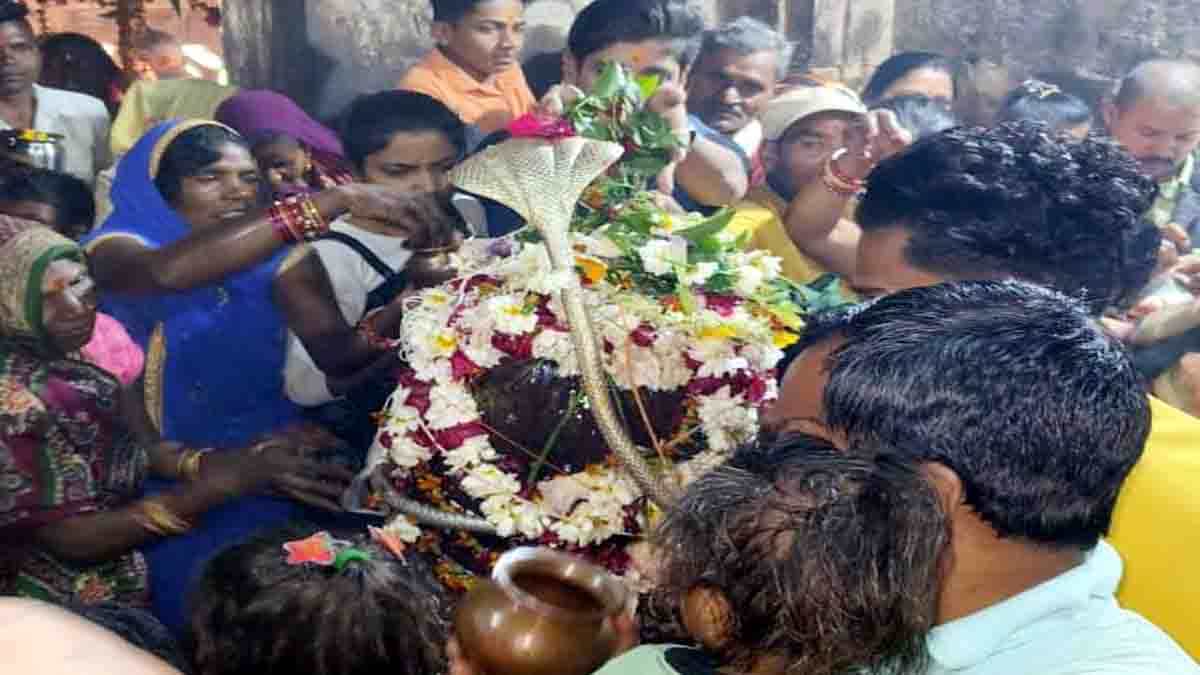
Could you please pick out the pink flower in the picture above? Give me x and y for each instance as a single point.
(516, 346)
(462, 366)
(456, 436)
(723, 305)
(643, 336)
(532, 125)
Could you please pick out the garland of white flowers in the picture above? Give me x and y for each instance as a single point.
(735, 336)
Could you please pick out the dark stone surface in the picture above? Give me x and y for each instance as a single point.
(322, 53)
(1103, 37)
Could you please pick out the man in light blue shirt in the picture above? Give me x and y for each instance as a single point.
(1026, 419)
(1069, 624)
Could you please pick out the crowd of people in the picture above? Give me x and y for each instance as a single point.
(980, 463)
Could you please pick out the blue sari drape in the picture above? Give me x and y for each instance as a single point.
(214, 365)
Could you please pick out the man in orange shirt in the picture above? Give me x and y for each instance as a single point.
(475, 69)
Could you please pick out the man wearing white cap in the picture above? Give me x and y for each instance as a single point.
(820, 143)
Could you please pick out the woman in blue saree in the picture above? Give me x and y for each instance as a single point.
(185, 262)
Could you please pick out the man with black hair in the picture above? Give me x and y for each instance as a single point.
(475, 68)
(660, 38)
(1028, 419)
(1013, 202)
(82, 120)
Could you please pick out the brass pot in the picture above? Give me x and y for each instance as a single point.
(542, 613)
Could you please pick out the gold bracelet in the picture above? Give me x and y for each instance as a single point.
(154, 517)
(188, 468)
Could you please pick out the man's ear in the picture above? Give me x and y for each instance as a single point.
(708, 616)
(947, 484)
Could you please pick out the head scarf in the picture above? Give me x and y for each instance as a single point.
(26, 250)
(258, 113)
(214, 354)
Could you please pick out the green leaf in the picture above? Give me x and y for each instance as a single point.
(648, 85)
(611, 79)
(709, 227)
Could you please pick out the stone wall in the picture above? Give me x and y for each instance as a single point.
(322, 52)
(1099, 37)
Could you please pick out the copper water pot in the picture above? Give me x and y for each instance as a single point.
(542, 613)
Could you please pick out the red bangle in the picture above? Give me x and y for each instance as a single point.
(297, 218)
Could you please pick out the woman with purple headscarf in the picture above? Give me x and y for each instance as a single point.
(295, 152)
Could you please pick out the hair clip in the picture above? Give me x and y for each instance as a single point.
(323, 550)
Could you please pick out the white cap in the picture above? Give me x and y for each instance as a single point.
(793, 106)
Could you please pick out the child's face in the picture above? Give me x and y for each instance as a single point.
(648, 57)
(487, 40)
(284, 163)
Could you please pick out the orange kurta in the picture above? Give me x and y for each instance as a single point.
(489, 106)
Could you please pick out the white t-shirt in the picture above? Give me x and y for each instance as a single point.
(352, 278)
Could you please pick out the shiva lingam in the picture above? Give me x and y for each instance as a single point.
(542, 613)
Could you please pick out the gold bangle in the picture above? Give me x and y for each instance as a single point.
(188, 468)
(154, 517)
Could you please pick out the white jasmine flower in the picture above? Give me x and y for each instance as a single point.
(512, 516)
(717, 357)
(487, 480)
(749, 279)
(556, 346)
(473, 452)
(561, 493)
(762, 355)
(727, 420)
(407, 453)
(511, 315)
(450, 404)
(661, 256)
(553, 282)
(699, 273)
(771, 266)
(586, 525)
(401, 417)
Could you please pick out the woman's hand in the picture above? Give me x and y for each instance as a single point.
(279, 465)
(415, 215)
